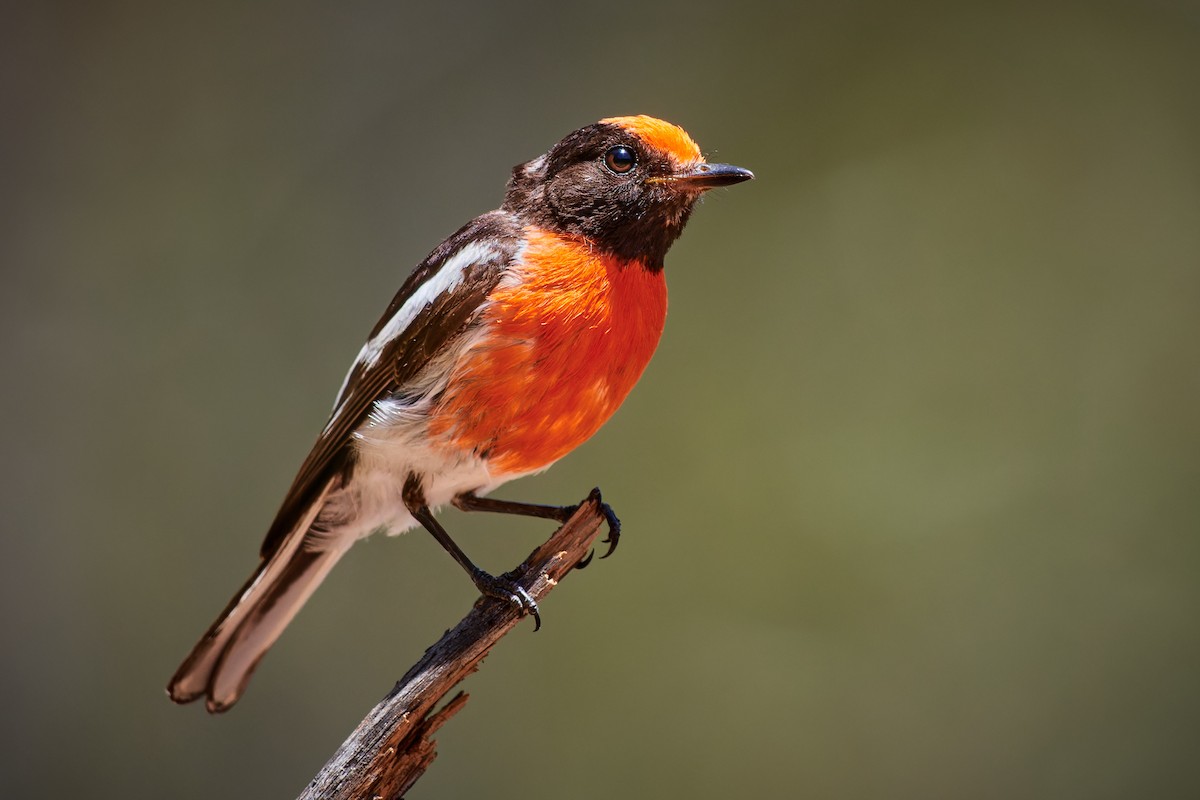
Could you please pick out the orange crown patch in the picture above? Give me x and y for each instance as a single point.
(663, 136)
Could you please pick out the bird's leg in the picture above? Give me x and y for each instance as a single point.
(472, 502)
(489, 585)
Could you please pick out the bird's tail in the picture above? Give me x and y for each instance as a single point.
(220, 665)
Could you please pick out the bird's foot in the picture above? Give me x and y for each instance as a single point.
(610, 516)
(503, 588)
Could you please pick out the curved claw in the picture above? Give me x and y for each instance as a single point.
(504, 589)
(614, 529)
(583, 562)
(525, 605)
(537, 618)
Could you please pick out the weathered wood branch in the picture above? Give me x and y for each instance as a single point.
(391, 748)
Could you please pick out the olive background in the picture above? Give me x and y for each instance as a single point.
(910, 489)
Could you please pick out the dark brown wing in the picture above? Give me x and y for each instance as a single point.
(438, 303)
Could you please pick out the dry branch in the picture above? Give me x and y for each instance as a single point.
(391, 748)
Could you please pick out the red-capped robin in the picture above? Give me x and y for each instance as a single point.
(505, 349)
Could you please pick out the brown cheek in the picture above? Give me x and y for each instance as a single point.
(576, 193)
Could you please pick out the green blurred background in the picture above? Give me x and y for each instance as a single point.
(911, 489)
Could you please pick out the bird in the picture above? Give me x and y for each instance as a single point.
(505, 349)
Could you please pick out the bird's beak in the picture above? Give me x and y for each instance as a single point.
(699, 177)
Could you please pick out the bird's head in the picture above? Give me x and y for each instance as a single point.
(626, 184)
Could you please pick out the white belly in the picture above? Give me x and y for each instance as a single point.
(390, 447)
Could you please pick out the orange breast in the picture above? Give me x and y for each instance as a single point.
(563, 348)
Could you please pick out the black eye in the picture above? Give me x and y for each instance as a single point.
(620, 159)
